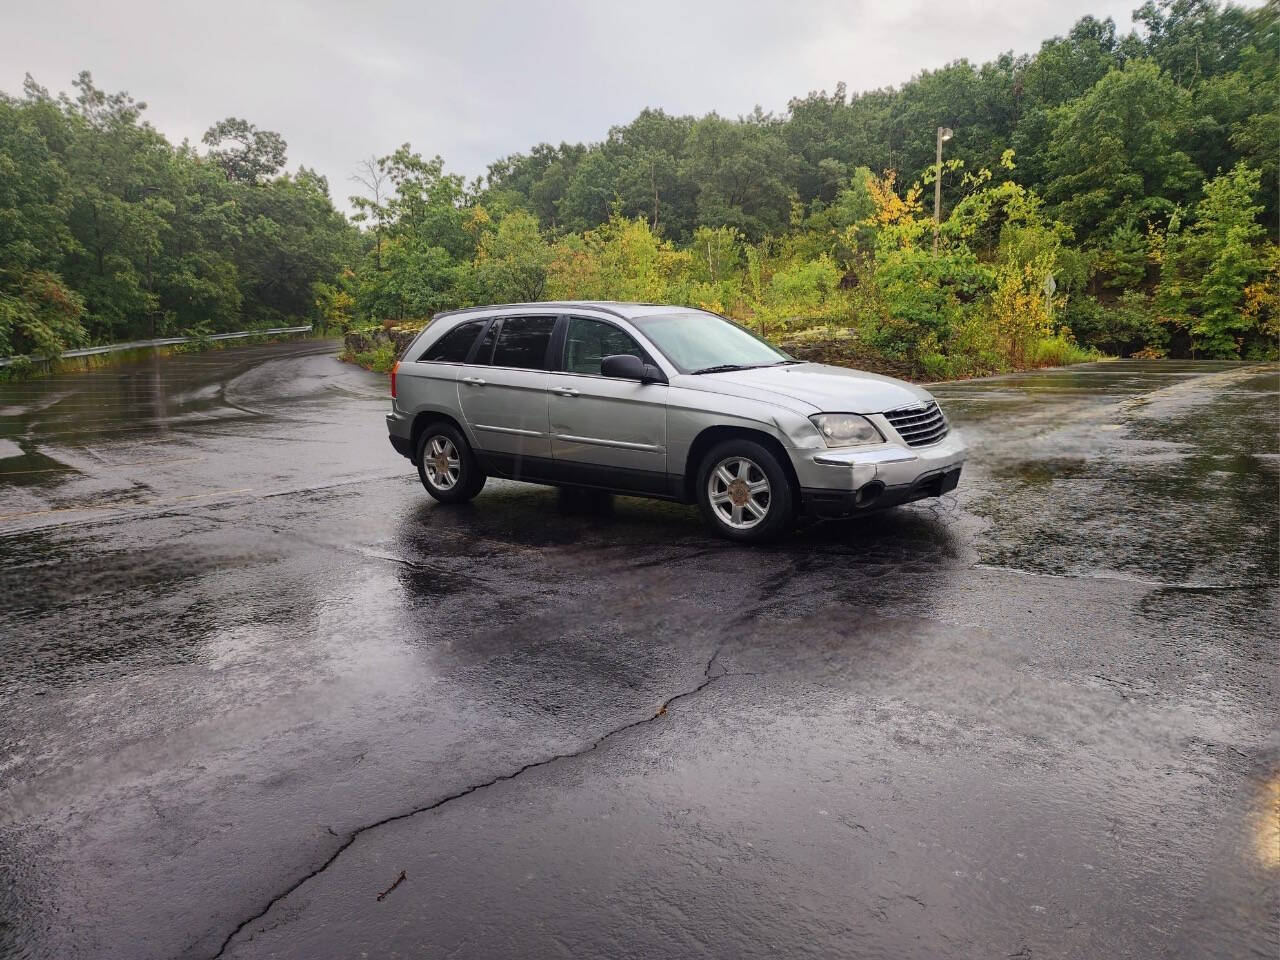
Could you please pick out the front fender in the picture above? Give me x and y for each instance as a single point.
(690, 412)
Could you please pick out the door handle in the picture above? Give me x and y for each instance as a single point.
(476, 380)
(565, 391)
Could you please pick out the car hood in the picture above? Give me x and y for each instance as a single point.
(821, 386)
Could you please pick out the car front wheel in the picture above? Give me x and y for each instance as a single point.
(446, 465)
(744, 492)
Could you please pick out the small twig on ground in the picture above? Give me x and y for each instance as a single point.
(399, 880)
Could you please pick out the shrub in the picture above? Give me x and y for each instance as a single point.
(380, 359)
(1058, 351)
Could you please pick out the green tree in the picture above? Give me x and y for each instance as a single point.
(1115, 156)
(191, 275)
(291, 237)
(427, 204)
(590, 194)
(1194, 39)
(741, 171)
(115, 234)
(38, 313)
(1209, 266)
(116, 167)
(619, 260)
(245, 153)
(419, 280)
(1068, 67)
(420, 260)
(819, 133)
(646, 154)
(513, 261)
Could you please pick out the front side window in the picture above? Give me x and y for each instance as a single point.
(587, 342)
(701, 341)
(522, 342)
(454, 346)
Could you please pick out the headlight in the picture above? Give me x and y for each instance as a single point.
(846, 429)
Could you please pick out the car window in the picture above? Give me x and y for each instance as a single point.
(587, 342)
(695, 340)
(454, 346)
(523, 341)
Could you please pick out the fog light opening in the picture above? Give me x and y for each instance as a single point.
(867, 493)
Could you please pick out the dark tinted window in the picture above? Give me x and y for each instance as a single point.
(454, 346)
(590, 341)
(523, 342)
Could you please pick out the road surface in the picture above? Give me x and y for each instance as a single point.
(261, 697)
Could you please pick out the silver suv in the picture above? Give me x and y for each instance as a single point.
(659, 401)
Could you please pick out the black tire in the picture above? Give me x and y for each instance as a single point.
(470, 476)
(778, 500)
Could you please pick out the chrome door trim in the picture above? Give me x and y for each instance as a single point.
(600, 442)
(514, 431)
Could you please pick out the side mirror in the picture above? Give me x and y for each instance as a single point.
(623, 366)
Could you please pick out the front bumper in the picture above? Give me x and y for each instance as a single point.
(844, 482)
(874, 496)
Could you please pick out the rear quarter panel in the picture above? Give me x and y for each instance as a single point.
(429, 387)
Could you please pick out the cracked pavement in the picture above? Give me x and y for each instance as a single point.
(250, 674)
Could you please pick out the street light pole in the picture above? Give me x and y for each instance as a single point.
(944, 133)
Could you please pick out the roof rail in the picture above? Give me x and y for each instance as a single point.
(602, 306)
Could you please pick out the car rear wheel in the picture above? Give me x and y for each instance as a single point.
(744, 492)
(447, 467)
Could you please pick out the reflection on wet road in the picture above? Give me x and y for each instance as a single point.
(250, 674)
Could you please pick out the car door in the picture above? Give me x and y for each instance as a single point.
(606, 431)
(503, 395)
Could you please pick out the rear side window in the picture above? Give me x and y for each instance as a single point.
(523, 341)
(454, 346)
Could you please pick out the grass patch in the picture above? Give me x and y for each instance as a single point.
(1060, 351)
(380, 359)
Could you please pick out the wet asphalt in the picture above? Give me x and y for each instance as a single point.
(261, 697)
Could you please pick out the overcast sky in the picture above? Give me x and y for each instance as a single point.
(475, 79)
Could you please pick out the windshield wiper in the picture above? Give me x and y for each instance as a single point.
(723, 368)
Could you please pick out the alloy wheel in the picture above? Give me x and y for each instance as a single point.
(739, 493)
(442, 464)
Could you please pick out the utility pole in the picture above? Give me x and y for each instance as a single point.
(944, 134)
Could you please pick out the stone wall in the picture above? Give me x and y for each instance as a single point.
(845, 351)
(365, 341)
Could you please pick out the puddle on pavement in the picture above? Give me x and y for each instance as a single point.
(30, 468)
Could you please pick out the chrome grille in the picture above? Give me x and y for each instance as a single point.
(919, 426)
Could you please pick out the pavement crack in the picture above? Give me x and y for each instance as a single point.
(708, 678)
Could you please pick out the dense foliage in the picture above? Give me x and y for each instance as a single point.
(1139, 171)
(110, 233)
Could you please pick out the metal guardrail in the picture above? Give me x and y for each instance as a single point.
(161, 342)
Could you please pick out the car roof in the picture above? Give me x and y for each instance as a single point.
(618, 309)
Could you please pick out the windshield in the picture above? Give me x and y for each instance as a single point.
(697, 341)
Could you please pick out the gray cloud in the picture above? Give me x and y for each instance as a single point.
(475, 80)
